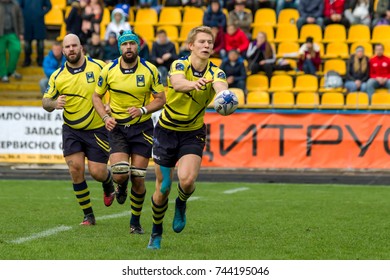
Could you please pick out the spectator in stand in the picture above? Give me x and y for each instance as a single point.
(184, 50)
(34, 12)
(381, 13)
(261, 55)
(118, 23)
(240, 17)
(359, 11)
(11, 33)
(252, 5)
(310, 12)
(309, 57)
(234, 69)
(92, 16)
(54, 60)
(379, 71)
(286, 4)
(236, 39)
(163, 54)
(214, 15)
(95, 48)
(219, 42)
(74, 19)
(194, 3)
(173, 3)
(334, 13)
(150, 4)
(111, 50)
(357, 71)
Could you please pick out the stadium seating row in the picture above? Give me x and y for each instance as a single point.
(313, 100)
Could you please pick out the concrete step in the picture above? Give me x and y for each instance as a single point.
(20, 86)
(31, 71)
(20, 95)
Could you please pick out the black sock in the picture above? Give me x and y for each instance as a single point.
(136, 203)
(182, 197)
(83, 197)
(158, 216)
(108, 184)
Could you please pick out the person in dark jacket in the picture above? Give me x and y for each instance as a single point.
(214, 15)
(95, 48)
(358, 71)
(74, 19)
(11, 33)
(34, 12)
(163, 54)
(54, 60)
(111, 50)
(234, 69)
(310, 11)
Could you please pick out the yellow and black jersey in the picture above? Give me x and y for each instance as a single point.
(184, 111)
(78, 84)
(129, 88)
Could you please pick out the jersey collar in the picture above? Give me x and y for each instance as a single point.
(78, 69)
(131, 70)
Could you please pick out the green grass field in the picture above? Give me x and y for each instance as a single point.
(39, 220)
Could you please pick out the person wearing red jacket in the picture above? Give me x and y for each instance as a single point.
(334, 13)
(236, 39)
(379, 71)
(309, 57)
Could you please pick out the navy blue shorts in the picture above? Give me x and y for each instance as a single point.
(132, 139)
(170, 145)
(93, 143)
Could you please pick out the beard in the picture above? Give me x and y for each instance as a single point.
(75, 59)
(131, 59)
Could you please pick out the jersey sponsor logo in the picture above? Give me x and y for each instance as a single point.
(100, 81)
(140, 80)
(179, 66)
(90, 77)
(221, 75)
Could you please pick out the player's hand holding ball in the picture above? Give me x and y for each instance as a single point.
(225, 102)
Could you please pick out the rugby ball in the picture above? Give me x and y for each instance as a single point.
(225, 102)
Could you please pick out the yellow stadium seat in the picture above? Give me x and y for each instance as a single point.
(306, 82)
(171, 30)
(184, 30)
(282, 99)
(240, 95)
(146, 16)
(216, 60)
(258, 99)
(281, 83)
(54, 17)
(267, 29)
(106, 19)
(59, 3)
(170, 16)
(288, 16)
(257, 82)
(366, 45)
(380, 101)
(131, 18)
(380, 34)
(335, 33)
(286, 33)
(307, 100)
(332, 100)
(357, 100)
(264, 16)
(336, 50)
(337, 65)
(146, 31)
(312, 30)
(193, 16)
(359, 33)
(62, 32)
(287, 49)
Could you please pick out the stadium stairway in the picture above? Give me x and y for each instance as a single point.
(25, 92)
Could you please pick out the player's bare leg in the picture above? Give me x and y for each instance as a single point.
(101, 174)
(188, 170)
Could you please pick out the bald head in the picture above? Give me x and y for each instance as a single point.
(72, 50)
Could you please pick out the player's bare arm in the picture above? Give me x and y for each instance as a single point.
(109, 121)
(180, 83)
(220, 86)
(54, 104)
(155, 105)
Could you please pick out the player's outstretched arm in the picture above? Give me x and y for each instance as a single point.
(180, 83)
(51, 104)
(102, 111)
(220, 86)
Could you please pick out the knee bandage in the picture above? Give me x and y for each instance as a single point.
(138, 172)
(121, 167)
(166, 181)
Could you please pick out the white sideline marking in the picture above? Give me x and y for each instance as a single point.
(42, 234)
(235, 190)
(192, 198)
(113, 216)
